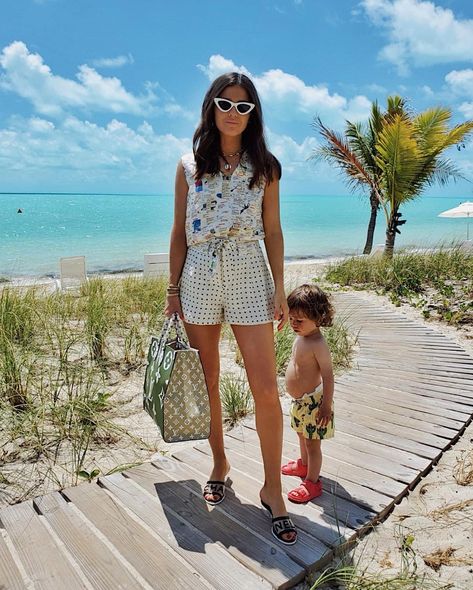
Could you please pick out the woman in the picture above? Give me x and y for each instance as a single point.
(226, 199)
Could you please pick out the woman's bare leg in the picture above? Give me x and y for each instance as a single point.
(206, 340)
(257, 348)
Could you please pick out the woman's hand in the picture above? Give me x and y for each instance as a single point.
(173, 305)
(281, 309)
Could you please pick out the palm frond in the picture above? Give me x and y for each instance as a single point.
(337, 151)
(458, 134)
(432, 126)
(360, 142)
(444, 170)
(375, 121)
(398, 157)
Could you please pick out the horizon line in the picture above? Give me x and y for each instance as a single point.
(171, 194)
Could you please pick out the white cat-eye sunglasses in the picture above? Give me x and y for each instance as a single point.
(225, 105)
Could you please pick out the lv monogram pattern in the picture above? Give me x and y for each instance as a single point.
(175, 392)
(186, 404)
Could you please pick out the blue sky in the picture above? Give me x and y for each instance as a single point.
(105, 95)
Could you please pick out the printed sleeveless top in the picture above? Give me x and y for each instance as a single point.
(223, 206)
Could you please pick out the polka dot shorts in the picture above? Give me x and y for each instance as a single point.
(226, 280)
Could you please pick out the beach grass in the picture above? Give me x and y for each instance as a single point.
(438, 282)
(61, 356)
(463, 469)
(237, 401)
(348, 574)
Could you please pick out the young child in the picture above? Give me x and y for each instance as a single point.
(309, 381)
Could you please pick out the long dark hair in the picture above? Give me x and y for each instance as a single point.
(206, 141)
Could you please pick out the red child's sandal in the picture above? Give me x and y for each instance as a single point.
(308, 490)
(296, 468)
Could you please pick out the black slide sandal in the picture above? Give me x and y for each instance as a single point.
(280, 526)
(215, 488)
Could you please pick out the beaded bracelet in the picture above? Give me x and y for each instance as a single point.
(173, 290)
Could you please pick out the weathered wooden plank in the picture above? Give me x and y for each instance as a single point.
(414, 418)
(10, 575)
(335, 485)
(211, 560)
(258, 554)
(395, 330)
(404, 400)
(364, 427)
(42, 558)
(389, 345)
(409, 429)
(357, 440)
(419, 358)
(98, 564)
(450, 381)
(392, 340)
(150, 556)
(452, 384)
(398, 351)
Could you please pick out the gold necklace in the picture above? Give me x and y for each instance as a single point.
(238, 153)
(227, 165)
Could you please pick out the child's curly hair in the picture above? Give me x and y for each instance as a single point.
(313, 303)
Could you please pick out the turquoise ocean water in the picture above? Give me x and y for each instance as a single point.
(115, 231)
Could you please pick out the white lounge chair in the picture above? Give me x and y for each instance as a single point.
(156, 265)
(72, 273)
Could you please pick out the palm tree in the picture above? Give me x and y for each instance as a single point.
(359, 145)
(395, 158)
(409, 152)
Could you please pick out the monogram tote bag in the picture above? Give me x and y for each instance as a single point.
(175, 392)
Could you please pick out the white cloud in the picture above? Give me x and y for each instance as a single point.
(286, 96)
(292, 155)
(460, 81)
(26, 74)
(420, 33)
(113, 62)
(427, 90)
(219, 65)
(466, 108)
(79, 155)
(377, 88)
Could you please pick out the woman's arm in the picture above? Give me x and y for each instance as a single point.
(178, 246)
(274, 244)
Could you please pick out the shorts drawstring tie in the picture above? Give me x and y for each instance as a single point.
(217, 246)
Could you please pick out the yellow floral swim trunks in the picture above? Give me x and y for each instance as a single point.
(304, 411)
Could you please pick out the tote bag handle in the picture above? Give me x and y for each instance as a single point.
(172, 322)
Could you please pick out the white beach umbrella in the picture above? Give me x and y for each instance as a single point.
(463, 210)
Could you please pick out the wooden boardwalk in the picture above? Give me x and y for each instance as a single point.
(408, 398)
